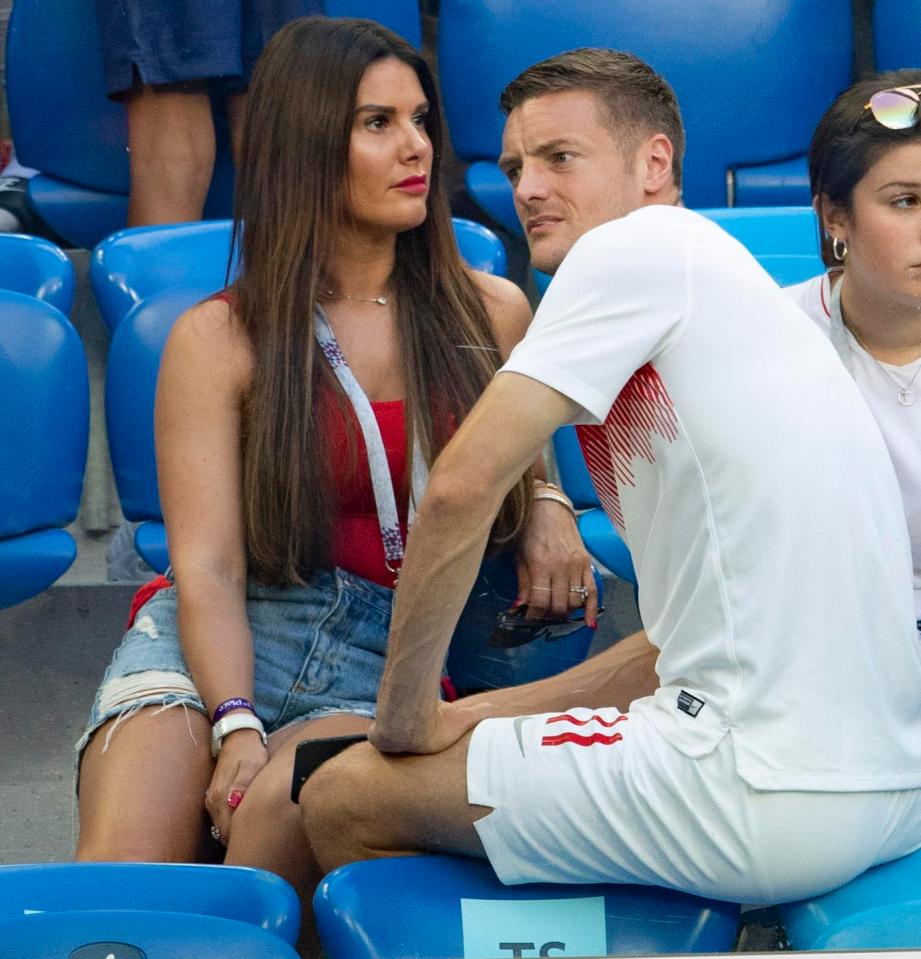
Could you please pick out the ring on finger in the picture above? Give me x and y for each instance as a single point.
(581, 590)
(215, 833)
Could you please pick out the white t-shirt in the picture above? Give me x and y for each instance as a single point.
(901, 425)
(755, 491)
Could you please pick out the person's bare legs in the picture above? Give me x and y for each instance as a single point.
(266, 829)
(172, 147)
(142, 799)
(365, 805)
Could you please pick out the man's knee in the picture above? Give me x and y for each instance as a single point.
(336, 805)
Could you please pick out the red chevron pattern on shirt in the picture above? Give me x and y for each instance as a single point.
(642, 408)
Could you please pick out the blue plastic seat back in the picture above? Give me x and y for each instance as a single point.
(886, 927)
(897, 34)
(251, 896)
(784, 240)
(36, 267)
(137, 934)
(740, 108)
(434, 906)
(131, 382)
(44, 395)
(479, 247)
(810, 921)
(63, 123)
(401, 16)
(132, 265)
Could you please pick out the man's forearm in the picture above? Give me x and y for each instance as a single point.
(443, 556)
(615, 677)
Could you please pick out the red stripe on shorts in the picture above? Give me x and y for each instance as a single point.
(596, 739)
(567, 718)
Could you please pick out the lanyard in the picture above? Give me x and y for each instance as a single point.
(384, 496)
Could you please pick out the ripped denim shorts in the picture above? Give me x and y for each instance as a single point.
(319, 650)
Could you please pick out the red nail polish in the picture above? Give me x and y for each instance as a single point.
(234, 799)
(517, 603)
(593, 624)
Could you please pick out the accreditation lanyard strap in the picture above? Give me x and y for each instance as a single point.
(384, 496)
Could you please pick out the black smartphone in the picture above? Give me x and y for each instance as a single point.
(312, 753)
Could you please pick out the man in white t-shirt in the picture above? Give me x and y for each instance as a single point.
(781, 754)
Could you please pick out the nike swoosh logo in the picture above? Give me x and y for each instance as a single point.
(517, 723)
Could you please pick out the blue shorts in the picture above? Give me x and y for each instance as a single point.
(318, 650)
(178, 41)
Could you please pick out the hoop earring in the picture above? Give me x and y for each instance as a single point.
(839, 253)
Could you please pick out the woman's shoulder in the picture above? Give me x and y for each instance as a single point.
(507, 307)
(812, 296)
(210, 333)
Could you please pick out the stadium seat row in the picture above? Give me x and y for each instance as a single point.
(425, 906)
(752, 79)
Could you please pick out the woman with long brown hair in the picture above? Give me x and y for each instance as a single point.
(297, 415)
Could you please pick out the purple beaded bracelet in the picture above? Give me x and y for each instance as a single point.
(228, 705)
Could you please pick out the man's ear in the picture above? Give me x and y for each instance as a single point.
(657, 155)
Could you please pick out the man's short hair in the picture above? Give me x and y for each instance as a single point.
(638, 101)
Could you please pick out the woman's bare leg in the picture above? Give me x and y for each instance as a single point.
(172, 148)
(267, 829)
(142, 799)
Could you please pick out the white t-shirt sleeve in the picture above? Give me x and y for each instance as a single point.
(617, 301)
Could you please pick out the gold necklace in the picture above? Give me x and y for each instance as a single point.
(379, 300)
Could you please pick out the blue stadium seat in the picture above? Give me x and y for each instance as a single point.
(442, 906)
(748, 121)
(897, 34)
(134, 934)
(131, 382)
(64, 125)
(44, 395)
(131, 265)
(144, 278)
(36, 267)
(252, 896)
(401, 16)
(784, 240)
(880, 909)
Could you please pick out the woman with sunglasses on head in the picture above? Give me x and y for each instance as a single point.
(865, 175)
(297, 415)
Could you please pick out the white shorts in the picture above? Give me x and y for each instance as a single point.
(595, 795)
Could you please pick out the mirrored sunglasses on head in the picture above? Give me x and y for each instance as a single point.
(896, 108)
(513, 629)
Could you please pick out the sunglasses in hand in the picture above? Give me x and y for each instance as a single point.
(514, 629)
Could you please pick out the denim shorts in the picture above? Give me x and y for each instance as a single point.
(318, 650)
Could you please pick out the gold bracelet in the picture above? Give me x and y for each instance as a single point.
(560, 498)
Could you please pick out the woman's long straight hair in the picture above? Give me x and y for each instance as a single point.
(290, 204)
